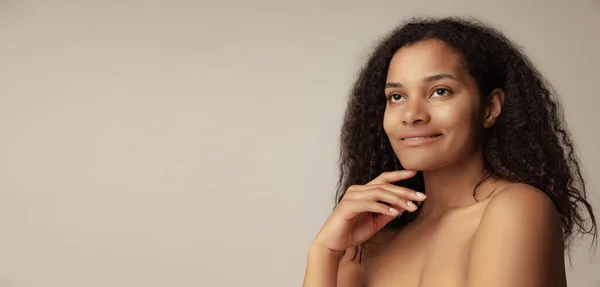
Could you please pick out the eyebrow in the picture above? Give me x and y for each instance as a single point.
(427, 79)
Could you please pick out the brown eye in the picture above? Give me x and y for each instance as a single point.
(394, 98)
(441, 92)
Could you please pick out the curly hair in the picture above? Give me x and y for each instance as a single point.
(529, 142)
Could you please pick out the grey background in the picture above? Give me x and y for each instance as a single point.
(194, 143)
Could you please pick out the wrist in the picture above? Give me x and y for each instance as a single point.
(317, 250)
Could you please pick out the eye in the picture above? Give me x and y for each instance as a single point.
(440, 92)
(394, 98)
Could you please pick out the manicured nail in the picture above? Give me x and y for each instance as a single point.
(421, 195)
(411, 205)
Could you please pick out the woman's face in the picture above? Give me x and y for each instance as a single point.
(432, 116)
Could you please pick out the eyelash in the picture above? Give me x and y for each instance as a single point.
(448, 92)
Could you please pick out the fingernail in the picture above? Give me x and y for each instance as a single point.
(421, 195)
(411, 205)
(394, 211)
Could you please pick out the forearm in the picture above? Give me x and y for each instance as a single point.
(322, 267)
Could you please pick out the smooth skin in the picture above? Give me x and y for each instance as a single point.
(510, 236)
(356, 219)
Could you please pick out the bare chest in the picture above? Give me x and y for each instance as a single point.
(428, 254)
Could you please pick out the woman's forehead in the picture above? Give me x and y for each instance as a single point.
(424, 59)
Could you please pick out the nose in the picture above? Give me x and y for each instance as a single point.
(415, 111)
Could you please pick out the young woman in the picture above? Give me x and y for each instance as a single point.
(456, 168)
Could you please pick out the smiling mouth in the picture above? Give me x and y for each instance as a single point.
(420, 138)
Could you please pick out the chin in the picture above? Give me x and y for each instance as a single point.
(421, 164)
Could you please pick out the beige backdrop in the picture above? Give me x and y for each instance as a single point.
(194, 143)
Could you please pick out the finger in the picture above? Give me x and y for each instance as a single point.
(387, 197)
(356, 207)
(392, 176)
(407, 192)
(354, 188)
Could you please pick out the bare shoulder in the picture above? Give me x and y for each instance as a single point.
(518, 241)
(521, 209)
(521, 201)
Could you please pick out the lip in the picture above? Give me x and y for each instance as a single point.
(424, 139)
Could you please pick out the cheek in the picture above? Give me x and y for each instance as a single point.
(460, 122)
(458, 118)
(389, 120)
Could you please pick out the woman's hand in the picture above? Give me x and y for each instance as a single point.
(366, 209)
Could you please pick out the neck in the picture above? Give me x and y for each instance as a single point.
(452, 186)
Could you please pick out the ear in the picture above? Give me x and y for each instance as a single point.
(493, 107)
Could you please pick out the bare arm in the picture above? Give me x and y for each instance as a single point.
(322, 267)
(518, 243)
(328, 268)
(363, 211)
